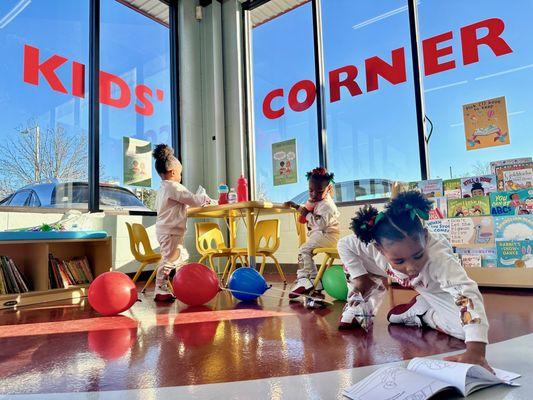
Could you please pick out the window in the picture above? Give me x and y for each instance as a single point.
(370, 106)
(500, 66)
(43, 117)
(135, 96)
(283, 70)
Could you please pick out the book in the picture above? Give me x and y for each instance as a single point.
(441, 226)
(472, 232)
(452, 188)
(19, 277)
(515, 253)
(488, 255)
(511, 161)
(425, 377)
(439, 209)
(473, 206)
(516, 227)
(471, 260)
(514, 202)
(478, 186)
(514, 177)
(431, 188)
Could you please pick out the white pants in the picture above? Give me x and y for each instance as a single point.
(307, 267)
(173, 255)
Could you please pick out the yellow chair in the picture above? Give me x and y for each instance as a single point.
(210, 244)
(330, 255)
(267, 242)
(142, 251)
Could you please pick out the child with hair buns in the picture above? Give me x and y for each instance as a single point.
(321, 216)
(171, 204)
(394, 243)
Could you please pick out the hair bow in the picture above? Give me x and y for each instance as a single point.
(413, 212)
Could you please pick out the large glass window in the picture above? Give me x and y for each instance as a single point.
(285, 115)
(135, 96)
(43, 106)
(478, 50)
(371, 117)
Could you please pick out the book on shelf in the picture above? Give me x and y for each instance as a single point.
(515, 227)
(508, 162)
(441, 226)
(12, 280)
(469, 207)
(470, 260)
(431, 187)
(477, 186)
(515, 253)
(487, 255)
(426, 377)
(515, 176)
(452, 188)
(472, 232)
(63, 274)
(439, 208)
(513, 202)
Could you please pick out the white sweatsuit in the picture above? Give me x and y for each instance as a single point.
(455, 303)
(323, 231)
(171, 203)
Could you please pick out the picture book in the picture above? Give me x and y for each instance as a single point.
(515, 253)
(441, 226)
(488, 255)
(424, 378)
(478, 186)
(505, 163)
(517, 227)
(431, 188)
(439, 209)
(471, 261)
(452, 188)
(514, 177)
(515, 202)
(473, 206)
(472, 232)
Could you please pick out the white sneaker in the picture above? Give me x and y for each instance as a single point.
(357, 314)
(301, 286)
(409, 314)
(162, 291)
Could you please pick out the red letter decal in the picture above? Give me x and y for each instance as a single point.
(267, 105)
(470, 42)
(310, 95)
(394, 73)
(78, 79)
(47, 68)
(349, 82)
(432, 54)
(106, 81)
(143, 94)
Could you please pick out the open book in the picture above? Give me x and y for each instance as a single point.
(425, 377)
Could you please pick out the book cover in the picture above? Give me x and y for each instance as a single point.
(19, 277)
(478, 186)
(472, 232)
(452, 188)
(514, 253)
(510, 161)
(441, 226)
(473, 206)
(516, 227)
(3, 279)
(431, 188)
(514, 177)
(514, 202)
(488, 255)
(439, 209)
(13, 287)
(471, 261)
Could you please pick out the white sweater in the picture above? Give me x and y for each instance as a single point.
(324, 218)
(442, 278)
(171, 204)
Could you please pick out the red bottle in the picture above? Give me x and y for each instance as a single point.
(242, 189)
(223, 194)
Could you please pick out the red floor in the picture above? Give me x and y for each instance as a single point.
(65, 347)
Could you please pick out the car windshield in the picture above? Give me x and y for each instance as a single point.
(109, 196)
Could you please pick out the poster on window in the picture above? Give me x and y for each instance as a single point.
(284, 162)
(486, 124)
(137, 162)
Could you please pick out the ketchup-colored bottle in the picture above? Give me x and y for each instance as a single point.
(223, 191)
(242, 189)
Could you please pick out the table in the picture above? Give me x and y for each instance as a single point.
(249, 211)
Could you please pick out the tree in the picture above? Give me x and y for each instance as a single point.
(35, 155)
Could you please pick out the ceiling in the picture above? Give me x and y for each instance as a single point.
(273, 9)
(155, 9)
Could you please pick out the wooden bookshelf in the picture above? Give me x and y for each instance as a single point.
(502, 277)
(31, 256)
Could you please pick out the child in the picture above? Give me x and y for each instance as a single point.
(171, 205)
(395, 244)
(321, 216)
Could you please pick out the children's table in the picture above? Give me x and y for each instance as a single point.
(249, 211)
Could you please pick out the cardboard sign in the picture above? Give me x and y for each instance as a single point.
(137, 162)
(284, 162)
(486, 124)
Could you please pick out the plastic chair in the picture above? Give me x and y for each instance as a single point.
(145, 254)
(330, 255)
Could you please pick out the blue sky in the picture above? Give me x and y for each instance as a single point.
(374, 135)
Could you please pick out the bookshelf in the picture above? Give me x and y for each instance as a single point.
(502, 277)
(31, 256)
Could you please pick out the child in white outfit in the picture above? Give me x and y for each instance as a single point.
(321, 216)
(395, 244)
(171, 204)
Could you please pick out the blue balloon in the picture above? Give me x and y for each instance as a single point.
(246, 284)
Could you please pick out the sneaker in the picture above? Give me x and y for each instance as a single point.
(301, 286)
(409, 314)
(162, 291)
(355, 315)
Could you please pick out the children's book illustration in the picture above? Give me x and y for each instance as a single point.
(470, 207)
(478, 186)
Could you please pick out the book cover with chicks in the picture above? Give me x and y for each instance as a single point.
(472, 232)
(516, 227)
(486, 123)
(515, 253)
(515, 202)
(476, 186)
(470, 207)
(514, 177)
(452, 188)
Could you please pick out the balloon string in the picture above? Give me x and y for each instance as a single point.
(254, 294)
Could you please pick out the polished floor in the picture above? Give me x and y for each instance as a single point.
(65, 348)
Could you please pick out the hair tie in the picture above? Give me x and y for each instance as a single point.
(379, 217)
(414, 212)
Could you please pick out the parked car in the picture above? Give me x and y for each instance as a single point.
(73, 195)
(356, 190)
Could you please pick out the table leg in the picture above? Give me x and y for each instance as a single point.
(250, 227)
(232, 225)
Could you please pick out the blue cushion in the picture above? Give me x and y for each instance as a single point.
(52, 235)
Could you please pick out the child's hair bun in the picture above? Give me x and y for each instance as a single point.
(363, 223)
(162, 152)
(405, 201)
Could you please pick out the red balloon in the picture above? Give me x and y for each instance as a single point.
(113, 343)
(195, 284)
(198, 333)
(112, 293)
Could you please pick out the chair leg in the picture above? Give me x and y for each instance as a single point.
(143, 265)
(226, 268)
(263, 263)
(211, 262)
(201, 260)
(278, 267)
(149, 281)
(233, 265)
(323, 267)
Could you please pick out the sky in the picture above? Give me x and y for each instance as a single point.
(374, 135)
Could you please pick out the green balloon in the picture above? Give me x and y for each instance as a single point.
(334, 282)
